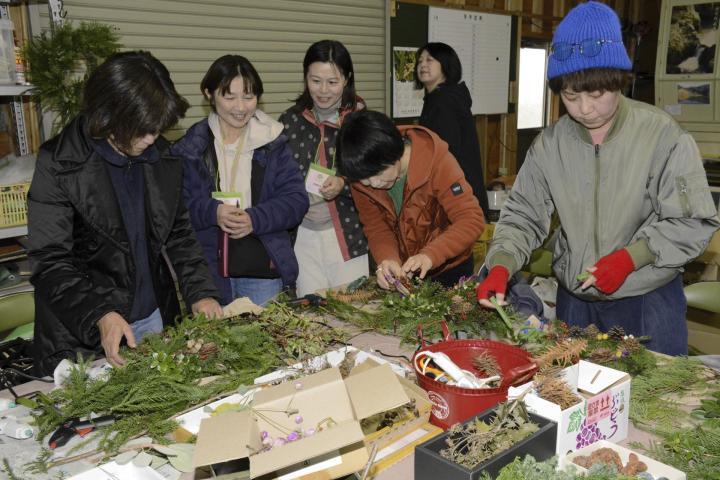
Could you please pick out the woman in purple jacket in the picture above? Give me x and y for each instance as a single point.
(242, 187)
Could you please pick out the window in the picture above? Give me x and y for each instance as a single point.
(532, 88)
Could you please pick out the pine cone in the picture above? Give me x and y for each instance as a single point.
(630, 344)
(460, 305)
(206, 350)
(575, 332)
(486, 364)
(591, 331)
(602, 355)
(617, 333)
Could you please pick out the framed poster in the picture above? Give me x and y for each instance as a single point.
(693, 38)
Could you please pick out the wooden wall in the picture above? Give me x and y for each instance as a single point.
(498, 133)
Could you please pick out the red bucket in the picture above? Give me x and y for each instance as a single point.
(453, 404)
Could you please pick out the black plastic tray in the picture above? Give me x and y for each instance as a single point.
(430, 465)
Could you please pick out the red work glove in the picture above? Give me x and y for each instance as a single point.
(495, 283)
(612, 270)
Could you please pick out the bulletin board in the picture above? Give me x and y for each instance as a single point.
(486, 44)
(482, 41)
(687, 74)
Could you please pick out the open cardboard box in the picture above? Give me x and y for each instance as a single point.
(400, 427)
(190, 421)
(330, 453)
(655, 468)
(602, 414)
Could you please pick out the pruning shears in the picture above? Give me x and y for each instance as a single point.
(309, 300)
(75, 426)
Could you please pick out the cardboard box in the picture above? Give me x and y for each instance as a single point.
(403, 447)
(430, 465)
(602, 414)
(655, 468)
(332, 452)
(400, 427)
(190, 421)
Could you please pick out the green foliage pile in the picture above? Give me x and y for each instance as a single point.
(687, 444)
(428, 305)
(530, 469)
(163, 375)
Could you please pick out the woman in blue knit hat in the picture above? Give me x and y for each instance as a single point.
(629, 188)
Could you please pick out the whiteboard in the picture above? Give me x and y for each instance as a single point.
(482, 41)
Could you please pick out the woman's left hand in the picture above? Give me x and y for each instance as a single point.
(245, 226)
(208, 306)
(332, 187)
(417, 262)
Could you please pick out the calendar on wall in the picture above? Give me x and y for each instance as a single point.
(483, 43)
(407, 100)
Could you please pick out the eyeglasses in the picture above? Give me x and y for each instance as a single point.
(588, 48)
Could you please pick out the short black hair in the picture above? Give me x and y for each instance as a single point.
(330, 51)
(448, 59)
(129, 96)
(593, 80)
(224, 70)
(368, 142)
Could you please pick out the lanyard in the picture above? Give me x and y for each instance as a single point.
(234, 164)
(320, 157)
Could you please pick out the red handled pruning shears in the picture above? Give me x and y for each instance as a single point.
(75, 426)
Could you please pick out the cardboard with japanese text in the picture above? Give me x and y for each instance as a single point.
(602, 413)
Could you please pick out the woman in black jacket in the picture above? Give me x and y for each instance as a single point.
(107, 221)
(446, 110)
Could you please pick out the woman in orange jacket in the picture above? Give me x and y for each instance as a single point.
(418, 212)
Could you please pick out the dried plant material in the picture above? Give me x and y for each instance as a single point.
(377, 422)
(361, 295)
(630, 344)
(473, 443)
(591, 330)
(608, 456)
(348, 363)
(567, 352)
(617, 333)
(555, 390)
(487, 364)
(602, 355)
(460, 305)
(634, 466)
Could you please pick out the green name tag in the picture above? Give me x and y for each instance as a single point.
(230, 198)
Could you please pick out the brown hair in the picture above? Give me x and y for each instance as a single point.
(592, 80)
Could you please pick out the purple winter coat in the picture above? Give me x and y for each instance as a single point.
(279, 200)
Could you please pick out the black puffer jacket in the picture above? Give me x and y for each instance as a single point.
(82, 264)
(446, 111)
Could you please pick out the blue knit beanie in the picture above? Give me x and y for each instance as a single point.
(589, 21)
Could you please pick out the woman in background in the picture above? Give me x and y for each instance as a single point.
(240, 179)
(446, 110)
(331, 248)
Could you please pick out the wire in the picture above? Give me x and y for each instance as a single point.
(19, 373)
(505, 146)
(404, 357)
